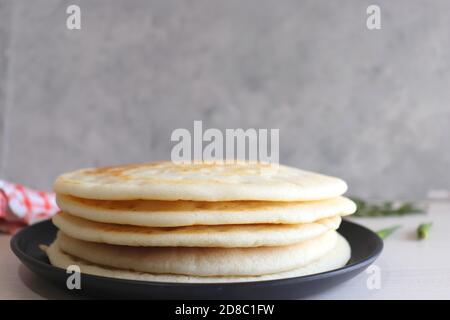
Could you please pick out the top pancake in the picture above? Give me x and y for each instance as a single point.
(203, 181)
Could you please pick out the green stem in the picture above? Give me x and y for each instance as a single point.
(423, 230)
(384, 233)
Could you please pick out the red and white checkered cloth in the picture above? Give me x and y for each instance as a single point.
(20, 206)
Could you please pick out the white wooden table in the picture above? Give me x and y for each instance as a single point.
(409, 269)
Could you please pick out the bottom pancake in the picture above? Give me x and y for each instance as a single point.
(337, 257)
(201, 261)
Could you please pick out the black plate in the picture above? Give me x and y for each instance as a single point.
(365, 244)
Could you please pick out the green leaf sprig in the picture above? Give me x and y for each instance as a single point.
(384, 209)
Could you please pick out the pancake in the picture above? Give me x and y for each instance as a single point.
(153, 213)
(254, 235)
(203, 181)
(334, 259)
(201, 261)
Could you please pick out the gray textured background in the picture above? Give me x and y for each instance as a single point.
(369, 106)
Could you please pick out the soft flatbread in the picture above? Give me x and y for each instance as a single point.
(154, 213)
(250, 235)
(201, 261)
(334, 259)
(203, 181)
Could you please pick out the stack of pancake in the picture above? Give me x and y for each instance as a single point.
(200, 222)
